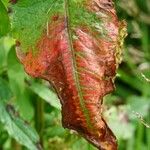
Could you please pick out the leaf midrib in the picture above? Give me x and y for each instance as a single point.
(74, 64)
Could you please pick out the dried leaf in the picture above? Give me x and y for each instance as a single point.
(78, 53)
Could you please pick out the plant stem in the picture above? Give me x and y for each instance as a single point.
(148, 132)
(39, 118)
(145, 41)
(139, 139)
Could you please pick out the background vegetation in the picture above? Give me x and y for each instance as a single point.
(35, 102)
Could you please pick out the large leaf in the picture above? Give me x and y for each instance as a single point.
(76, 45)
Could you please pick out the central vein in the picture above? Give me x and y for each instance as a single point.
(75, 72)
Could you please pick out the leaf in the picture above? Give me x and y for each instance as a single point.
(82, 144)
(5, 45)
(5, 2)
(4, 20)
(77, 49)
(45, 93)
(18, 128)
(16, 77)
(55, 131)
(15, 73)
(15, 126)
(5, 92)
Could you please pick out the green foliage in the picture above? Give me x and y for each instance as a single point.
(45, 93)
(20, 92)
(17, 127)
(5, 92)
(4, 20)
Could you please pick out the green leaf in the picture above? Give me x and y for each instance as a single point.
(5, 45)
(24, 103)
(5, 92)
(82, 144)
(15, 73)
(18, 128)
(4, 20)
(46, 94)
(16, 77)
(56, 131)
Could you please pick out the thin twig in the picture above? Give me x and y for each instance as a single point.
(139, 116)
(148, 80)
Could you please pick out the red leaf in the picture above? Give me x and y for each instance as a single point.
(81, 64)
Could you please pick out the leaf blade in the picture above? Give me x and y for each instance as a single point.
(17, 128)
(45, 93)
(80, 57)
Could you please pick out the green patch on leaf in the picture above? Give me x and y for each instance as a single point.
(79, 15)
(29, 19)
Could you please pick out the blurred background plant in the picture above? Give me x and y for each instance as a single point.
(127, 109)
